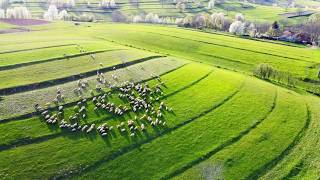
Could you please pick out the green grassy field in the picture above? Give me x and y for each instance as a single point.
(253, 12)
(224, 122)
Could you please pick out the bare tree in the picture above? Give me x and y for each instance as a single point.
(313, 29)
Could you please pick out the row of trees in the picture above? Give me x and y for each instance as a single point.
(108, 4)
(18, 12)
(62, 3)
(307, 32)
(53, 14)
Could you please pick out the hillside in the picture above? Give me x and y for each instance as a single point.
(254, 12)
(182, 104)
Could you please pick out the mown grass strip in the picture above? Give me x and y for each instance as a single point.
(263, 144)
(222, 146)
(28, 141)
(271, 164)
(70, 104)
(44, 84)
(232, 47)
(8, 67)
(31, 49)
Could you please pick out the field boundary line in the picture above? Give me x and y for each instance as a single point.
(19, 65)
(44, 47)
(129, 148)
(48, 83)
(271, 164)
(29, 115)
(226, 144)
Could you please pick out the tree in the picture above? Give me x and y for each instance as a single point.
(62, 3)
(52, 13)
(152, 18)
(4, 4)
(2, 14)
(137, 19)
(312, 27)
(237, 28)
(198, 21)
(252, 31)
(181, 5)
(239, 17)
(217, 20)
(18, 12)
(117, 16)
(274, 30)
(211, 4)
(108, 4)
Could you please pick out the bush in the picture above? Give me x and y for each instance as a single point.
(264, 71)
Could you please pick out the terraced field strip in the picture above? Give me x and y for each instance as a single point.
(8, 67)
(262, 145)
(17, 106)
(303, 161)
(177, 148)
(37, 48)
(41, 53)
(232, 47)
(245, 44)
(192, 49)
(59, 72)
(79, 150)
(178, 81)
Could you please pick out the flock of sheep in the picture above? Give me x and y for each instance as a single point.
(139, 99)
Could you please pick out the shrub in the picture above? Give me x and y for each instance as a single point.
(237, 28)
(264, 71)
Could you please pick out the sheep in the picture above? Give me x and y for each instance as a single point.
(44, 113)
(84, 127)
(143, 127)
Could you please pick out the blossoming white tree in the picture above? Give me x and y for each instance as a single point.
(18, 12)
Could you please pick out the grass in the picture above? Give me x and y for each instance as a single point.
(66, 67)
(263, 145)
(224, 122)
(301, 163)
(176, 80)
(75, 147)
(19, 104)
(45, 53)
(164, 155)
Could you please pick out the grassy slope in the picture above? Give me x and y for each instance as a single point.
(236, 57)
(17, 104)
(263, 144)
(171, 152)
(302, 162)
(64, 153)
(66, 67)
(185, 48)
(52, 52)
(176, 79)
